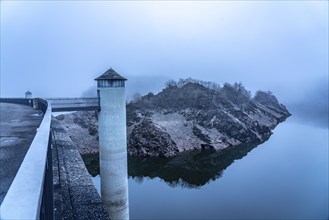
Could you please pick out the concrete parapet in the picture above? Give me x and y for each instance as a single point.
(75, 196)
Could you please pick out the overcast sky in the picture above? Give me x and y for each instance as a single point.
(57, 48)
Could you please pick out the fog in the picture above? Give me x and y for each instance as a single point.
(312, 107)
(58, 48)
(135, 84)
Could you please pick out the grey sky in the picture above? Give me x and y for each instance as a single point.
(57, 48)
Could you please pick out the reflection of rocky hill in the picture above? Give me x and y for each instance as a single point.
(187, 115)
(191, 169)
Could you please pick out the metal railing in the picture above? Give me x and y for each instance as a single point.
(22, 101)
(30, 195)
(74, 104)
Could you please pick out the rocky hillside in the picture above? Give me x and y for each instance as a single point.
(188, 115)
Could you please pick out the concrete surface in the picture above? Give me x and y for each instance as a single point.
(26, 191)
(75, 196)
(18, 126)
(113, 151)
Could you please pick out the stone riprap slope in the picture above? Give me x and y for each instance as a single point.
(189, 116)
(82, 129)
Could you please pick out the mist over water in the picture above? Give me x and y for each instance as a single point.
(311, 106)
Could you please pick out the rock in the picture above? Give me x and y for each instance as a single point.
(148, 140)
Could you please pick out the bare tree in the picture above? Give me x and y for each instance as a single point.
(136, 97)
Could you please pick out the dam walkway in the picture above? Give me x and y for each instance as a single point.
(18, 126)
(42, 173)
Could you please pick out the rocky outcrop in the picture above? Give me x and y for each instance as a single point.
(148, 139)
(189, 116)
(196, 117)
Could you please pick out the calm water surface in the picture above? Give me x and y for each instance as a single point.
(285, 177)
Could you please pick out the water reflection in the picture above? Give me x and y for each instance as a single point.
(192, 169)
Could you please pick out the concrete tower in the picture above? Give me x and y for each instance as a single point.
(28, 95)
(113, 143)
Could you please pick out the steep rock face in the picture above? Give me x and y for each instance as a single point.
(186, 117)
(147, 139)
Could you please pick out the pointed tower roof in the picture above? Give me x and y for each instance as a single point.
(110, 74)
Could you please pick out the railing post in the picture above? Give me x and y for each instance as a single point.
(47, 206)
(35, 103)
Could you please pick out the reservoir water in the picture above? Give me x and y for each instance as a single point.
(285, 177)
